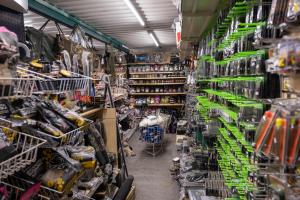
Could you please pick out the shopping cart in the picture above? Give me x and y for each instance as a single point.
(153, 134)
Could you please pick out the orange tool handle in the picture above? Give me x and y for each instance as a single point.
(270, 141)
(282, 141)
(294, 145)
(269, 118)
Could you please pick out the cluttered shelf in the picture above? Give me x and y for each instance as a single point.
(158, 78)
(150, 84)
(161, 63)
(155, 94)
(155, 72)
(160, 105)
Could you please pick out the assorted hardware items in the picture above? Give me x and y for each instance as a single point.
(48, 151)
(232, 78)
(164, 89)
(158, 85)
(136, 82)
(74, 53)
(277, 136)
(156, 68)
(159, 100)
(58, 167)
(44, 119)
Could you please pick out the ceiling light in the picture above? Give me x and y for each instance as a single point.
(135, 12)
(125, 46)
(28, 21)
(154, 39)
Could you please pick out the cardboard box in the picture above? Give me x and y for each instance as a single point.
(109, 120)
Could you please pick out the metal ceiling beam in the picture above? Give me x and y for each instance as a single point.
(49, 11)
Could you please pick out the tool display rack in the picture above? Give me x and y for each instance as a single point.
(25, 84)
(218, 78)
(148, 78)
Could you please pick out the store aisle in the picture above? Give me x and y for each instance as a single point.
(151, 174)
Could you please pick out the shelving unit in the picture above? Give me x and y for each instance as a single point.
(157, 85)
(154, 84)
(155, 94)
(162, 105)
(155, 72)
(163, 78)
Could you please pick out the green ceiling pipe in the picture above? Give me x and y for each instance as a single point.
(51, 12)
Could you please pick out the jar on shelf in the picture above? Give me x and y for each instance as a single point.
(161, 68)
(157, 99)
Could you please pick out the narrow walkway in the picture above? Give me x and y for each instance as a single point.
(151, 174)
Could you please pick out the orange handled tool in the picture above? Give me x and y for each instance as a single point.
(264, 129)
(282, 141)
(295, 145)
(269, 142)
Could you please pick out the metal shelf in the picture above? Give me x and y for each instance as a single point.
(162, 63)
(145, 84)
(163, 105)
(156, 72)
(154, 94)
(158, 78)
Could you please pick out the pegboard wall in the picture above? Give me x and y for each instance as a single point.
(14, 21)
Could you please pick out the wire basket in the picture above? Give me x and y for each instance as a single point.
(27, 145)
(69, 138)
(16, 86)
(59, 85)
(48, 84)
(44, 192)
(15, 191)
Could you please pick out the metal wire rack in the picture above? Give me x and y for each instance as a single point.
(23, 184)
(49, 84)
(17, 185)
(27, 146)
(16, 192)
(18, 86)
(69, 138)
(27, 82)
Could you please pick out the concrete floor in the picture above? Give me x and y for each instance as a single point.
(151, 174)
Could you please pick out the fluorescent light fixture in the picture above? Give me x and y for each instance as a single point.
(154, 39)
(125, 46)
(134, 11)
(28, 21)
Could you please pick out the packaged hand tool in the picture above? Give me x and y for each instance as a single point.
(52, 118)
(295, 144)
(48, 128)
(264, 128)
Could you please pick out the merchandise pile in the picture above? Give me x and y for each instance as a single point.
(251, 142)
(49, 151)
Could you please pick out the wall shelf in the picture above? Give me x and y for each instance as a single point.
(155, 72)
(155, 94)
(158, 78)
(154, 84)
(162, 105)
(162, 63)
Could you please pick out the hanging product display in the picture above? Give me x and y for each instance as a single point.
(253, 149)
